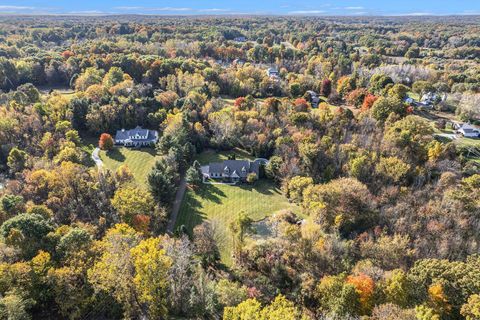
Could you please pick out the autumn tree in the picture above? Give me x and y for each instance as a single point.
(105, 142)
(383, 107)
(131, 202)
(114, 272)
(337, 297)
(365, 287)
(151, 274)
(471, 309)
(343, 204)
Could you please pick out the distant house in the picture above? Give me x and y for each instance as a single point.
(137, 137)
(230, 170)
(468, 131)
(238, 62)
(240, 39)
(430, 98)
(410, 100)
(314, 98)
(272, 73)
(425, 103)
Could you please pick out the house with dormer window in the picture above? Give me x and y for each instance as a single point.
(230, 170)
(137, 137)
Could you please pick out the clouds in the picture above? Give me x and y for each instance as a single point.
(152, 9)
(172, 9)
(307, 12)
(16, 8)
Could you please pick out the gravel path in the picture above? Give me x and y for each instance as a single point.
(96, 158)
(176, 205)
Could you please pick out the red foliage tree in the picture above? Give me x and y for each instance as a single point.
(105, 142)
(240, 103)
(326, 88)
(67, 54)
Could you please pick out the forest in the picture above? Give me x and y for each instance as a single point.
(379, 194)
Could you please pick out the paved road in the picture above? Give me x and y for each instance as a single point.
(176, 205)
(96, 158)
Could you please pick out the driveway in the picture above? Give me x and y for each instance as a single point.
(450, 136)
(96, 158)
(261, 161)
(176, 205)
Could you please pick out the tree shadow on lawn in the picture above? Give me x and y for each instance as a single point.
(191, 215)
(211, 193)
(261, 186)
(151, 151)
(116, 155)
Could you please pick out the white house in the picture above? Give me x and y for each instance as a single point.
(137, 137)
(272, 73)
(469, 131)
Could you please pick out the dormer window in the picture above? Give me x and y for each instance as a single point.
(226, 169)
(244, 170)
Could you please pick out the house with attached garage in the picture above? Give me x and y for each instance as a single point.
(468, 131)
(230, 171)
(137, 137)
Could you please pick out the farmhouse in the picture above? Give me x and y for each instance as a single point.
(230, 170)
(137, 137)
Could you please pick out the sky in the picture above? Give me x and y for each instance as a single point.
(243, 7)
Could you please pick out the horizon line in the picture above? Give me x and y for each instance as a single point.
(233, 14)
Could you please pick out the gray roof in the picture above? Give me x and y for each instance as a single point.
(240, 168)
(123, 134)
(467, 126)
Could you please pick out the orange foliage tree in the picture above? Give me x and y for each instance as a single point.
(364, 286)
(301, 105)
(368, 102)
(105, 142)
(67, 54)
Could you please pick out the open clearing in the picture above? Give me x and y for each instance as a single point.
(139, 161)
(220, 204)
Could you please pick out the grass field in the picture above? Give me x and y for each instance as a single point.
(222, 203)
(139, 161)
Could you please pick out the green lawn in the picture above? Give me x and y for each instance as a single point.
(212, 156)
(139, 161)
(468, 142)
(222, 203)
